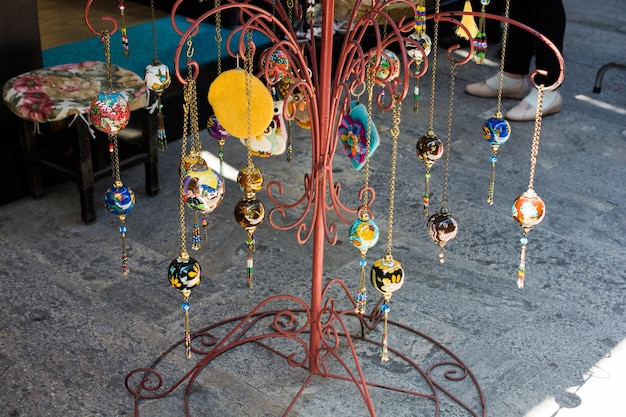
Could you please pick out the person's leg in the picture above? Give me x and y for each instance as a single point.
(551, 23)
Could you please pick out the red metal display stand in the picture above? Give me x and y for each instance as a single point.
(319, 334)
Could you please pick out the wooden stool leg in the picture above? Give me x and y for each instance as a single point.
(28, 142)
(149, 137)
(84, 173)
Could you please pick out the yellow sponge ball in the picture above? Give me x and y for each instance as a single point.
(241, 115)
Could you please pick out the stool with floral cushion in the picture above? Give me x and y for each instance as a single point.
(61, 96)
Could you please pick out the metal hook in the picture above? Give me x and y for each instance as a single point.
(105, 18)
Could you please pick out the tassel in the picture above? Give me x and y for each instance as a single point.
(361, 296)
(480, 41)
(426, 193)
(492, 182)
(161, 136)
(468, 22)
(195, 232)
(250, 261)
(521, 271)
(125, 269)
(185, 307)
(416, 94)
(384, 357)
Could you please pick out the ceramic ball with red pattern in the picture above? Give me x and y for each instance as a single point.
(109, 112)
(528, 209)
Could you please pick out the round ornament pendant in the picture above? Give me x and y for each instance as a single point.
(528, 209)
(278, 65)
(387, 275)
(203, 188)
(388, 68)
(119, 200)
(190, 160)
(442, 227)
(249, 213)
(250, 180)
(496, 130)
(415, 52)
(215, 129)
(429, 148)
(184, 273)
(109, 112)
(364, 233)
(157, 77)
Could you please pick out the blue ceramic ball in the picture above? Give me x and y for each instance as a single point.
(119, 200)
(496, 130)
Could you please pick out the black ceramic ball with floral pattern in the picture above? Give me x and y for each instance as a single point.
(184, 273)
(387, 275)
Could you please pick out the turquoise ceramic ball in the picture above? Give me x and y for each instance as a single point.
(364, 233)
(119, 200)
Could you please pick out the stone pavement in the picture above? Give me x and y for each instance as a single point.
(72, 327)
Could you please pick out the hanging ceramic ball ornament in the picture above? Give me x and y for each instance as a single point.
(416, 53)
(528, 210)
(215, 129)
(119, 199)
(429, 149)
(184, 273)
(109, 112)
(241, 102)
(189, 160)
(203, 188)
(387, 275)
(278, 65)
(364, 232)
(250, 180)
(496, 131)
(442, 228)
(157, 77)
(387, 66)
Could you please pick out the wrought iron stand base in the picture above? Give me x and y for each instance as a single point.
(285, 333)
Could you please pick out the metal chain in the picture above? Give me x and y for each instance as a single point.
(433, 75)
(505, 35)
(218, 36)
(106, 39)
(248, 67)
(154, 34)
(395, 133)
(181, 189)
(370, 100)
(535, 145)
(444, 191)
